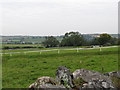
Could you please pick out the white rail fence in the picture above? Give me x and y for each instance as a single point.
(58, 50)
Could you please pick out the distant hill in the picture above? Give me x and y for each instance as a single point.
(40, 39)
(92, 36)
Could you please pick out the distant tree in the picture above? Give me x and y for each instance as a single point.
(72, 39)
(50, 42)
(104, 39)
(118, 41)
(114, 41)
(95, 41)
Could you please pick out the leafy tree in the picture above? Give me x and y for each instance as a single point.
(95, 41)
(118, 41)
(50, 42)
(114, 41)
(72, 39)
(104, 38)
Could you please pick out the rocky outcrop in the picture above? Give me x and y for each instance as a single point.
(64, 77)
(45, 82)
(94, 79)
(113, 74)
(79, 79)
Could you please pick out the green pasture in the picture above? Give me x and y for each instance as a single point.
(21, 46)
(38, 49)
(21, 70)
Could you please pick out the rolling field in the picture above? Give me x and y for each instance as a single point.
(21, 70)
(21, 46)
(37, 49)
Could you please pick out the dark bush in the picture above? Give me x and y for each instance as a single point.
(6, 47)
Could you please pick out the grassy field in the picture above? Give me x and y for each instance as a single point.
(20, 70)
(37, 49)
(21, 46)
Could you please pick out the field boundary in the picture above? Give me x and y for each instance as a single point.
(58, 50)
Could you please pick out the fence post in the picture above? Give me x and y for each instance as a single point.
(58, 51)
(25, 53)
(77, 50)
(80, 62)
(10, 54)
(40, 52)
(100, 49)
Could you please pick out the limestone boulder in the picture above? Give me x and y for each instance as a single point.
(64, 77)
(45, 82)
(93, 78)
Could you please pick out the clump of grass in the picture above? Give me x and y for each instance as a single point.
(44, 62)
(116, 81)
(92, 60)
(78, 82)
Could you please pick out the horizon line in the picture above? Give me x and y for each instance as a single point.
(55, 35)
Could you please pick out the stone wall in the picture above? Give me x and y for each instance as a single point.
(79, 79)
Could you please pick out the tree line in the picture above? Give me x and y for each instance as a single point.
(77, 39)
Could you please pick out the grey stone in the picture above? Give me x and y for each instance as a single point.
(80, 79)
(94, 79)
(45, 82)
(87, 75)
(113, 74)
(64, 77)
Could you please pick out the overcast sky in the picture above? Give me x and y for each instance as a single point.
(56, 17)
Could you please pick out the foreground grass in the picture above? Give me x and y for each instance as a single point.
(20, 70)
